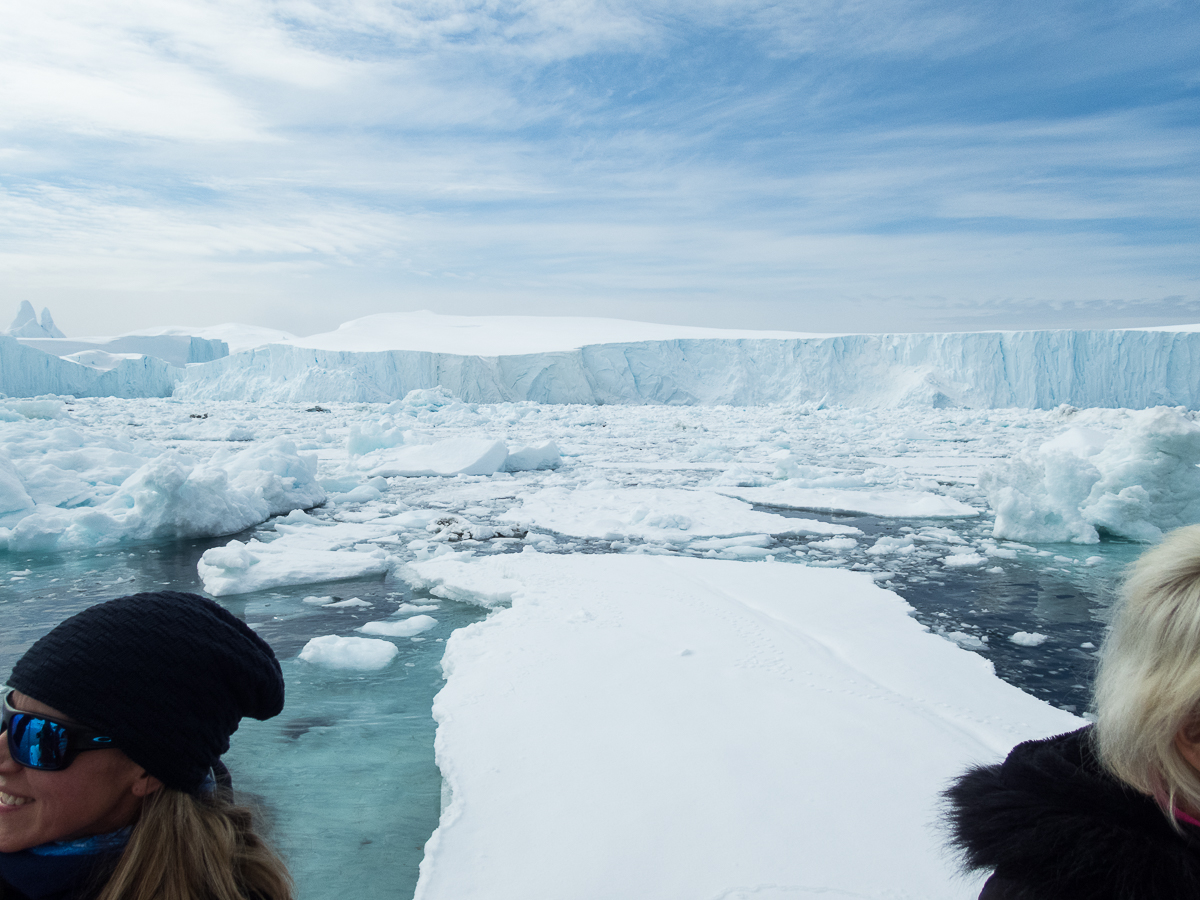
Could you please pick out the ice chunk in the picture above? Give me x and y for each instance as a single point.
(242, 569)
(173, 497)
(453, 456)
(13, 496)
(834, 544)
(366, 654)
(1028, 638)
(456, 528)
(363, 493)
(900, 546)
(401, 628)
(963, 559)
(964, 640)
(37, 408)
(284, 478)
(1142, 481)
(739, 476)
(540, 456)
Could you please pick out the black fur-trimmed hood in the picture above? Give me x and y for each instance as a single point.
(1055, 826)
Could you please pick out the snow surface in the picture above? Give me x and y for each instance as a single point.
(236, 337)
(429, 332)
(703, 729)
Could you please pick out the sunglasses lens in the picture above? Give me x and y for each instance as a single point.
(37, 743)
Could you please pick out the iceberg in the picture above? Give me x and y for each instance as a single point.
(1135, 484)
(169, 497)
(177, 350)
(1030, 369)
(491, 359)
(453, 456)
(30, 372)
(26, 324)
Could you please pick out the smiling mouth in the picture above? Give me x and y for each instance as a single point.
(10, 800)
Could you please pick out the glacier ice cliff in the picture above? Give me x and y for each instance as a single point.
(29, 372)
(177, 349)
(1030, 369)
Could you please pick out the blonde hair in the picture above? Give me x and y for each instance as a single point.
(189, 848)
(1148, 685)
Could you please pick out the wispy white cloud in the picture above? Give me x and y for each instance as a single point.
(654, 156)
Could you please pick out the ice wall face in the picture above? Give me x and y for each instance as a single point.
(176, 349)
(28, 372)
(1034, 369)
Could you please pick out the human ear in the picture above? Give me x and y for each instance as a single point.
(1187, 742)
(145, 785)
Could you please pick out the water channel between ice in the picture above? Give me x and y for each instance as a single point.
(346, 775)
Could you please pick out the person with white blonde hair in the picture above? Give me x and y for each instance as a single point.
(1111, 811)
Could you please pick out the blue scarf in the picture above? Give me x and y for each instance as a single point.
(63, 870)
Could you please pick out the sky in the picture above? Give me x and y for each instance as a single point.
(867, 165)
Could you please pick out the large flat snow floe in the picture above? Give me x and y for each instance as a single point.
(653, 727)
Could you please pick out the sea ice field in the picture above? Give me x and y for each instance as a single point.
(554, 650)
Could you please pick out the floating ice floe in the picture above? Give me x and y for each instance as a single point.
(669, 515)
(963, 560)
(453, 456)
(400, 627)
(1028, 638)
(364, 654)
(829, 709)
(885, 503)
(239, 568)
(308, 554)
(170, 497)
(1137, 483)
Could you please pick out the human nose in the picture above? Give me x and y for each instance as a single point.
(7, 763)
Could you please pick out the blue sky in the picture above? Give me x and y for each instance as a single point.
(820, 166)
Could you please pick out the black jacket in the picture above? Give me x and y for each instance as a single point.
(1054, 825)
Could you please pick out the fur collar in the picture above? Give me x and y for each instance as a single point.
(1055, 826)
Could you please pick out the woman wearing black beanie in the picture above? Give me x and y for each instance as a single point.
(110, 772)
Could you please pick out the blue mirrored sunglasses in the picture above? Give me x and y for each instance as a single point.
(41, 743)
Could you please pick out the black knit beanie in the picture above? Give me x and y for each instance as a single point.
(167, 675)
